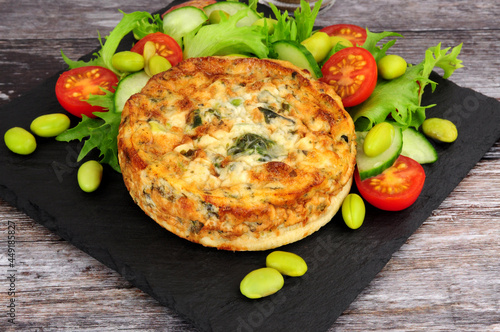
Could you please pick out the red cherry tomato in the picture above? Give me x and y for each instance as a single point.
(355, 34)
(193, 3)
(166, 46)
(396, 188)
(75, 85)
(352, 72)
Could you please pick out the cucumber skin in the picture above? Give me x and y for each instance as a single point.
(387, 158)
(417, 147)
(127, 87)
(283, 50)
(231, 8)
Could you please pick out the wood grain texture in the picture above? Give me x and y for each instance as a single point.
(446, 277)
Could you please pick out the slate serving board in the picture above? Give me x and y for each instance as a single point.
(202, 284)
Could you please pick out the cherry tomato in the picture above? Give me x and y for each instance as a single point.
(166, 46)
(394, 189)
(194, 3)
(74, 86)
(352, 71)
(355, 34)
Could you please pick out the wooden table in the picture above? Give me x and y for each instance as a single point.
(445, 277)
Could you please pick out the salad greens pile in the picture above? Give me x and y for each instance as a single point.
(399, 98)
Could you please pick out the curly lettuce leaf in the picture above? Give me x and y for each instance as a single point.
(146, 26)
(305, 18)
(294, 29)
(372, 39)
(99, 133)
(401, 97)
(226, 38)
(105, 54)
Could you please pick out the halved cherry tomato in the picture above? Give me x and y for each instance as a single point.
(166, 46)
(355, 34)
(74, 86)
(194, 3)
(396, 188)
(352, 72)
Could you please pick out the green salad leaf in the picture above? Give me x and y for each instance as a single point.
(146, 26)
(372, 39)
(401, 97)
(226, 38)
(296, 29)
(99, 133)
(105, 54)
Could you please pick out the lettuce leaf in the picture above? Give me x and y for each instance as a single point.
(401, 97)
(372, 39)
(226, 38)
(105, 54)
(295, 29)
(99, 133)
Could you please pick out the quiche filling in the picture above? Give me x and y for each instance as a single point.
(238, 154)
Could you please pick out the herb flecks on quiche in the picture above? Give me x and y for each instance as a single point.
(237, 153)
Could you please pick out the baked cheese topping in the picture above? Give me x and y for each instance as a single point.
(218, 149)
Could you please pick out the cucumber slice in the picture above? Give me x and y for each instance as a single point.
(128, 86)
(232, 8)
(417, 147)
(298, 55)
(371, 166)
(179, 22)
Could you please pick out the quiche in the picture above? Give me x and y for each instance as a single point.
(237, 153)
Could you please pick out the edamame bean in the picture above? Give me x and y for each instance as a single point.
(440, 129)
(353, 211)
(50, 125)
(216, 16)
(287, 263)
(319, 44)
(90, 176)
(391, 66)
(20, 141)
(158, 64)
(261, 282)
(128, 61)
(269, 22)
(378, 139)
(340, 40)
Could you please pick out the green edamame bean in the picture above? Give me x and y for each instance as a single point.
(269, 22)
(287, 263)
(391, 66)
(261, 282)
(90, 176)
(216, 16)
(50, 125)
(20, 141)
(378, 139)
(440, 129)
(340, 40)
(128, 61)
(319, 44)
(353, 211)
(158, 64)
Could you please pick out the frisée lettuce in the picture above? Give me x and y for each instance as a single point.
(401, 98)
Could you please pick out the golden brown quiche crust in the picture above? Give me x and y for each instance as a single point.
(237, 153)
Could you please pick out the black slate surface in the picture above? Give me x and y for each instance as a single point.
(202, 284)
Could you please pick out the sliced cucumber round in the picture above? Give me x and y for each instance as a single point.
(372, 166)
(128, 86)
(417, 147)
(232, 8)
(181, 21)
(297, 54)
